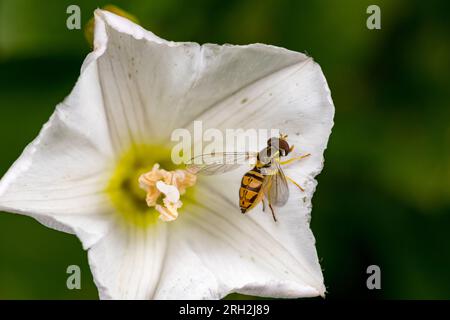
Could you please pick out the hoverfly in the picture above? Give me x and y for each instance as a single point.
(266, 181)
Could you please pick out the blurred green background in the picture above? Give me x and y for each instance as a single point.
(384, 196)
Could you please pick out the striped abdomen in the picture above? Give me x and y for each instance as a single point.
(250, 192)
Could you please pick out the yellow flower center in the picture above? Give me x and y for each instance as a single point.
(143, 185)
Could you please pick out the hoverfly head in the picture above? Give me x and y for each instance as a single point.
(280, 144)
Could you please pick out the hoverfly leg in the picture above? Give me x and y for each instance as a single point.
(264, 205)
(295, 159)
(293, 181)
(273, 212)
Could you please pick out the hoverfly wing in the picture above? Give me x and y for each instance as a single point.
(278, 190)
(219, 162)
(211, 169)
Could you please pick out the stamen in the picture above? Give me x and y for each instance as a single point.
(171, 184)
(168, 212)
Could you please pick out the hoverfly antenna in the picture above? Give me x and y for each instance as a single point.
(283, 136)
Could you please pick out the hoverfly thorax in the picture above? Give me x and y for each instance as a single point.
(266, 155)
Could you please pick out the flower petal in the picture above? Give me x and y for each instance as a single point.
(60, 176)
(214, 250)
(141, 76)
(167, 85)
(152, 86)
(295, 99)
(237, 85)
(127, 263)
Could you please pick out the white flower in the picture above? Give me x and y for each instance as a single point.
(81, 174)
